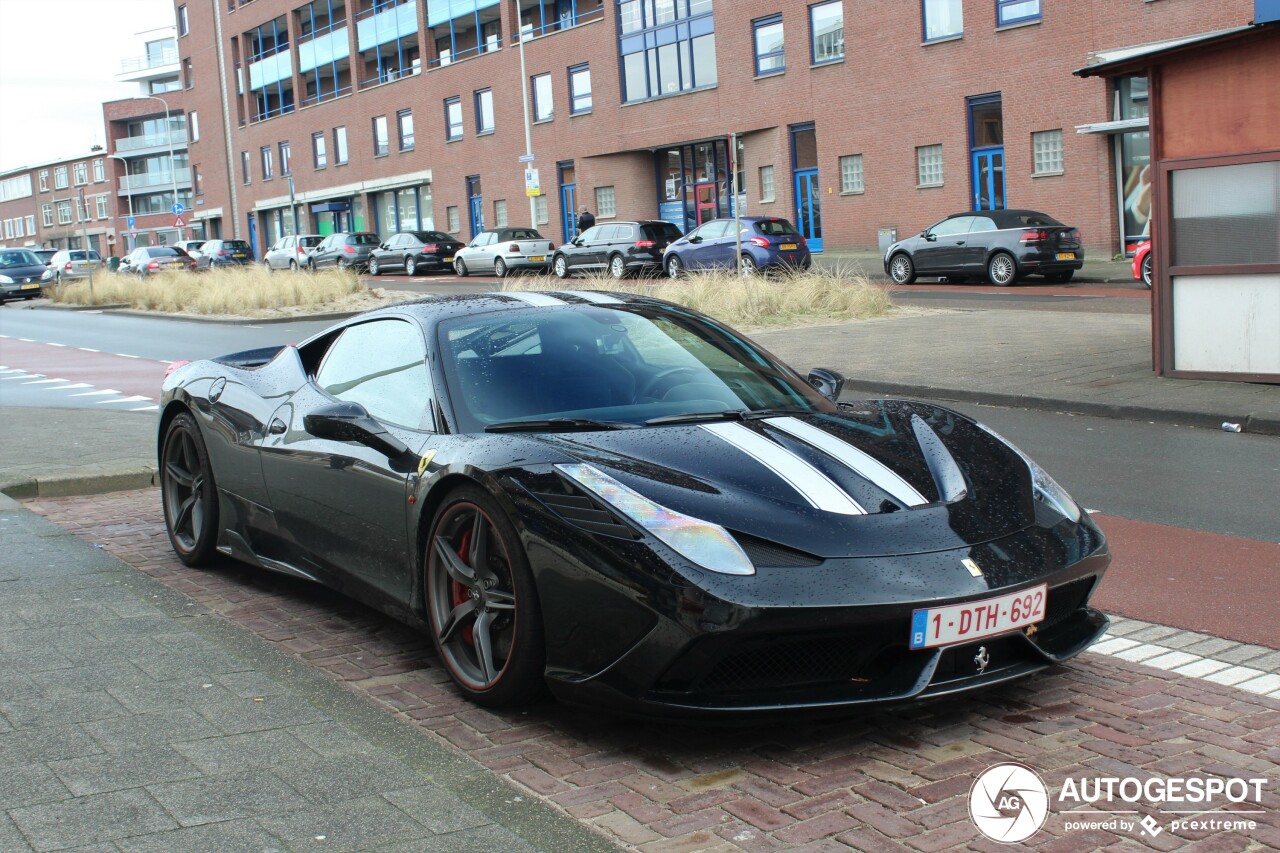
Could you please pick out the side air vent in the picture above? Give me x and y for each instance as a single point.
(586, 512)
(765, 554)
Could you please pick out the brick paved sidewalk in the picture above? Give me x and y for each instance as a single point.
(887, 781)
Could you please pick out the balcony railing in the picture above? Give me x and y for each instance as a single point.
(155, 179)
(158, 140)
(142, 63)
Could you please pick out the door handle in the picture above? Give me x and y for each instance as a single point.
(959, 242)
(278, 427)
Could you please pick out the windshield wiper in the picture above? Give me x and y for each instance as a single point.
(558, 425)
(724, 415)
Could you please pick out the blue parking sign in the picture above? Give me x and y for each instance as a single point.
(178, 208)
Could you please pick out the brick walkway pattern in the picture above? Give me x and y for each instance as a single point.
(886, 781)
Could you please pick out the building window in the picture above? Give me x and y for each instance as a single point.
(464, 28)
(404, 123)
(579, 89)
(102, 207)
(451, 216)
(766, 183)
(539, 17)
(64, 213)
(666, 48)
(543, 105)
(46, 215)
(380, 142)
(606, 201)
(193, 124)
(770, 57)
(44, 180)
(942, 19)
(453, 118)
(31, 225)
(851, 174)
(500, 213)
(929, 165)
(387, 38)
(484, 111)
(270, 78)
(286, 167)
(541, 210)
(1046, 152)
(80, 173)
(323, 52)
(339, 146)
(826, 29)
(245, 172)
(266, 162)
(319, 150)
(60, 178)
(1016, 11)
(188, 76)
(182, 21)
(99, 171)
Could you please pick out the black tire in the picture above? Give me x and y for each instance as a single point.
(617, 267)
(311, 266)
(902, 269)
(293, 265)
(747, 266)
(374, 266)
(560, 267)
(500, 268)
(411, 266)
(675, 267)
(460, 267)
(1059, 277)
(482, 605)
(188, 493)
(340, 264)
(1147, 271)
(1002, 269)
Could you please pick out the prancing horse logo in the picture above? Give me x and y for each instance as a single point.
(982, 660)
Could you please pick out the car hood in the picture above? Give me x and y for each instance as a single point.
(19, 273)
(877, 478)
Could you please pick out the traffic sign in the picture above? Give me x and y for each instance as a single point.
(532, 186)
(177, 208)
(132, 220)
(178, 223)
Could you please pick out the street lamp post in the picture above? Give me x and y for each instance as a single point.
(528, 130)
(173, 172)
(128, 191)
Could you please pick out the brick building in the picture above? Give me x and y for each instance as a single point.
(58, 204)
(389, 114)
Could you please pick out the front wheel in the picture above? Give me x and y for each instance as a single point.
(187, 493)
(311, 265)
(460, 267)
(1146, 271)
(374, 267)
(482, 603)
(617, 267)
(293, 266)
(902, 270)
(499, 267)
(410, 266)
(1002, 270)
(560, 267)
(675, 267)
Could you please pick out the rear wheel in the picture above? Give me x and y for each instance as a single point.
(1146, 270)
(675, 267)
(374, 267)
(411, 266)
(902, 270)
(560, 267)
(460, 267)
(499, 267)
(187, 493)
(482, 603)
(1002, 270)
(747, 266)
(617, 267)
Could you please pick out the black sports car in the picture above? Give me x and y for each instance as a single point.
(633, 504)
(1001, 246)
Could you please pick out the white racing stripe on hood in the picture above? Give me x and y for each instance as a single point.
(594, 298)
(814, 486)
(852, 458)
(539, 300)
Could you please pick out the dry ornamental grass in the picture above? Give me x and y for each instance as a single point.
(791, 299)
(244, 291)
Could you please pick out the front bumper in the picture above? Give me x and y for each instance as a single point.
(23, 289)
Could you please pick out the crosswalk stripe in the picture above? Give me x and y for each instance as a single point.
(133, 399)
(97, 393)
(44, 381)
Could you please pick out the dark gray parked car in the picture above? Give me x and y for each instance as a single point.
(413, 252)
(21, 274)
(147, 260)
(343, 250)
(620, 248)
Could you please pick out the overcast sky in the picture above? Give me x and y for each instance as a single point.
(58, 63)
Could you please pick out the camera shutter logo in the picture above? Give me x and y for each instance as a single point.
(1008, 803)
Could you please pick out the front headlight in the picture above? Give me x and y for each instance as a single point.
(1046, 488)
(4, 279)
(47, 275)
(709, 545)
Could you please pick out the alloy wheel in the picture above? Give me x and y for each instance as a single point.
(1001, 270)
(617, 266)
(411, 266)
(374, 267)
(675, 268)
(901, 270)
(560, 267)
(500, 268)
(183, 492)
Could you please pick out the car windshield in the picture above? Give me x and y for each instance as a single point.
(619, 365)
(363, 239)
(18, 258)
(431, 237)
(775, 228)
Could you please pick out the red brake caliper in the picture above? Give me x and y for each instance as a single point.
(458, 591)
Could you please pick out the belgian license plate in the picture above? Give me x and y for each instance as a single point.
(789, 247)
(1066, 256)
(537, 258)
(973, 620)
(30, 287)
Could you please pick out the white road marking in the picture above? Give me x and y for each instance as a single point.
(52, 344)
(23, 375)
(97, 393)
(44, 381)
(126, 355)
(86, 349)
(146, 409)
(26, 340)
(69, 387)
(133, 399)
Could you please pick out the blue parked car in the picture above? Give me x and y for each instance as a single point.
(768, 243)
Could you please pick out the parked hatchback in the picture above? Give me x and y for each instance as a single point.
(620, 248)
(502, 250)
(290, 252)
(69, 264)
(767, 243)
(148, 260)
(344, 250)
(413, 252)
(1001, 246)
(21, 274)
(223, 253)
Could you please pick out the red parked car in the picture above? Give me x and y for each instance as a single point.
(1142, 263)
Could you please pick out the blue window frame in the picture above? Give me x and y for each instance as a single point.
(539, 17)
(942, 19)
(387, 41)
(826, 32)
(324, 51)
(579, 89)
(270, 66)
(1016, 11)
(767, 36)
(667, 47)
(484, 111)
(453, 118)
(464, 28)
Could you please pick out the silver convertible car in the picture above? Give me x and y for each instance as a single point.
(502, 250)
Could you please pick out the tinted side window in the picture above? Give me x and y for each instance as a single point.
(380, 365)
(364, 239)
(661, 231)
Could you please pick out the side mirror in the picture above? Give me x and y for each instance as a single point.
(828, 383)
(352, 422)
(930, 237)
(695, 239)
(577, 241)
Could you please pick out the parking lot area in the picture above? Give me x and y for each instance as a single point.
(881, 781)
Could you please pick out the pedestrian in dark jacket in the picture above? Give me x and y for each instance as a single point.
(585, 220)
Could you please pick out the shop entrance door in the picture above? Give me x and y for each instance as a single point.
(476, 199)
(568, 199)
(704, 196)
(809, 208)
(988, 179)
(986, 151)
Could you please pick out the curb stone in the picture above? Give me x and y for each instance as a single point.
(67, 485)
